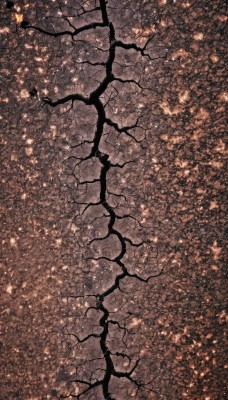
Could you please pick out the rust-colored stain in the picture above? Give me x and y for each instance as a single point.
(113, 120)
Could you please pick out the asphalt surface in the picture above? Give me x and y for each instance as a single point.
(126, 176)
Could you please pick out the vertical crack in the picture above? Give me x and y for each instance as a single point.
(95, 99)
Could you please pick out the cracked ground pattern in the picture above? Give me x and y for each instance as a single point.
(113, 199)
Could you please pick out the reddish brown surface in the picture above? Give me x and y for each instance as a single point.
(176, 189)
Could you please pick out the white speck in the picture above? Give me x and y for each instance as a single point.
(13, 242)
(9, 288)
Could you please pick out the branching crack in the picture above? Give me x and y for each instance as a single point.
(95, 100)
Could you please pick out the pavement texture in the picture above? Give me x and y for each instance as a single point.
(113, 214)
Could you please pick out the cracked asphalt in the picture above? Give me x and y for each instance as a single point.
(113, 121)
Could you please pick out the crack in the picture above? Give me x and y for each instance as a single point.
(100, 307)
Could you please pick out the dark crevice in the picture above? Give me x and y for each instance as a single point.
(94, 99)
